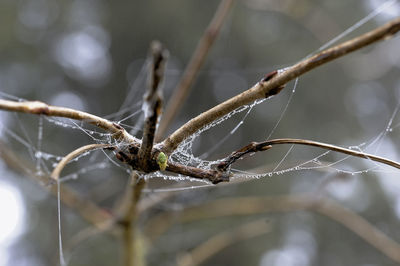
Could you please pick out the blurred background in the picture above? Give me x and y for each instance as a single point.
(91, 54)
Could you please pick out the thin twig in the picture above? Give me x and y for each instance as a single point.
(261, 205)
(152, 102)
(262, 146)
(129, 220)
(213, 176)
(60, 166)
(222, 240)
(272, 86)
(40, 108)
(189, 75)
(85, 234)
(86, 208)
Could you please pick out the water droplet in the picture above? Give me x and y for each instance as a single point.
(39, 172)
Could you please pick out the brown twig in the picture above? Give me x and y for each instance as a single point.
(75, 153)
(270, 85)
(268, 88)
(262, 146)
(86, 208)
(129, 220)
(109, 226)
(222, 240)
(40, 108)
(214, 176)
(258, 205)
(189, 75)
(152, 102)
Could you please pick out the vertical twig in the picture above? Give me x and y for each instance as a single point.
(132, 255)
(152, 102)
(189, 75)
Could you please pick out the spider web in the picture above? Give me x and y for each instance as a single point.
(45, 161)
(130, 116)
(184, 154)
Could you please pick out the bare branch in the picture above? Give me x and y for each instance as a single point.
(214, 176)
(152, 102)
(129, 219)
(262, 205)
(262, 146)
(87, 209)
(222, 240)
(75, 153)
(266, 88)
(40, 108)
(189, 75)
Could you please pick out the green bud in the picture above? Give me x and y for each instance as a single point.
(162, 160)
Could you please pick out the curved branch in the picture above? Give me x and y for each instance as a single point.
(270, 86)
(86, 208)
(40, 108)
(266, 145)
(60, 166)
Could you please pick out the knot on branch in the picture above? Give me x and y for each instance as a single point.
(272, 91)
(38, 108)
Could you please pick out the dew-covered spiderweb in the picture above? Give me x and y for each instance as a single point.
(185, 154)
(129, 114)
